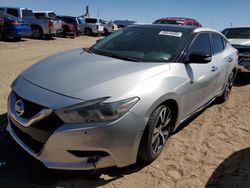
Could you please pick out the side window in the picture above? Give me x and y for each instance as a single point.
(12, 11)
(201, 44)
(217, 43)
(189, 23)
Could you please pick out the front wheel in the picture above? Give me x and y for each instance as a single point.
(157, 132)
(88, 32)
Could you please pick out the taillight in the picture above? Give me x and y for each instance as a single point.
(15, 23)
(51, 24)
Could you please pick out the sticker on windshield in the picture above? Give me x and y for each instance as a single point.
(171, 33)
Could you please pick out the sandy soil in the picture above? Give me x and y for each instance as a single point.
(211, 150)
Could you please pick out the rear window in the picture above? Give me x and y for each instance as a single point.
(68, 20)
(27, 13)
(91, 20)
(175, 22)
(217, 43)
(39, 14)
(51, 14)
(12, 11)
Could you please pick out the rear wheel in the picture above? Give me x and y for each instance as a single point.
(37, 33)
(228, 88)
(157, 132)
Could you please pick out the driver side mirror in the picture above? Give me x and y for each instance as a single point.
(199, 57)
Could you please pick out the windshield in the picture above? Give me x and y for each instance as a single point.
(91, 20)
(28, 14)
(237, 33)
(144, 44)
(80, 20)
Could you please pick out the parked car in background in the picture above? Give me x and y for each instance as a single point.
(15, 28)
(77, 22)
(121, 98)
(93, 26)
(67, 29)
(178, 21)
(239, 37)
(123, 23)
(1, 25)
(41, 27)
(109, 27)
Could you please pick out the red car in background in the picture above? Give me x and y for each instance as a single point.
(178, 21)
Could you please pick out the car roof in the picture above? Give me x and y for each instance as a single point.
(66, 16)
(41, 11)
(16, 8)
(177, 27)
(178, 18)
(166, 26)
(239, 27)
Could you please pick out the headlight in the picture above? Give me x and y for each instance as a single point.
(96, 111)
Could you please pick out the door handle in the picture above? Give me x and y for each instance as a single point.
(214, 68)
(230, 59)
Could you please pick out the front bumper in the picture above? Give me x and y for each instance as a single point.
(80, 146)
(18, 34)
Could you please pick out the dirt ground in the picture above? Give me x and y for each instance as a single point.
(211, 150)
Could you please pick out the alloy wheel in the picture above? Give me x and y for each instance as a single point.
(161, 130)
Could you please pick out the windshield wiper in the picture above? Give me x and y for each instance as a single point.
(118, 56)
(89, 50)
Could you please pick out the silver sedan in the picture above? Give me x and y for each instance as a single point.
(121, 98)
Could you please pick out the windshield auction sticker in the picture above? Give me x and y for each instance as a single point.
(171, 33)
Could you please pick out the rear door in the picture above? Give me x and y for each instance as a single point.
(202, 76)
(222, 58)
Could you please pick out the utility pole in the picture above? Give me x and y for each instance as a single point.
(98, 16)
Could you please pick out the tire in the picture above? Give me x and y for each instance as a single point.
(157, 132)
(48, 37)
(226, 93)
(88, 32)
(1, 36)
(106, 32)
(17, 39)
(37, 33)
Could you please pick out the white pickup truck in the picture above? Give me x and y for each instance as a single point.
(41, 27)
(239, 37)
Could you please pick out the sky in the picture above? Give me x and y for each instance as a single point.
(216, 14)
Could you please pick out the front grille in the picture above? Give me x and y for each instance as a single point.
(243, 50)
(36, 135)
(31, 109)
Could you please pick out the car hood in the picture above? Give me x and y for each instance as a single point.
(86, 76)
(241, 42)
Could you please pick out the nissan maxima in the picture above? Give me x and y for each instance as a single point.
(120, 99)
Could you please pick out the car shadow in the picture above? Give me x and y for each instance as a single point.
(19, 169)
(233, 171)
(242, 79)
(11, 40)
